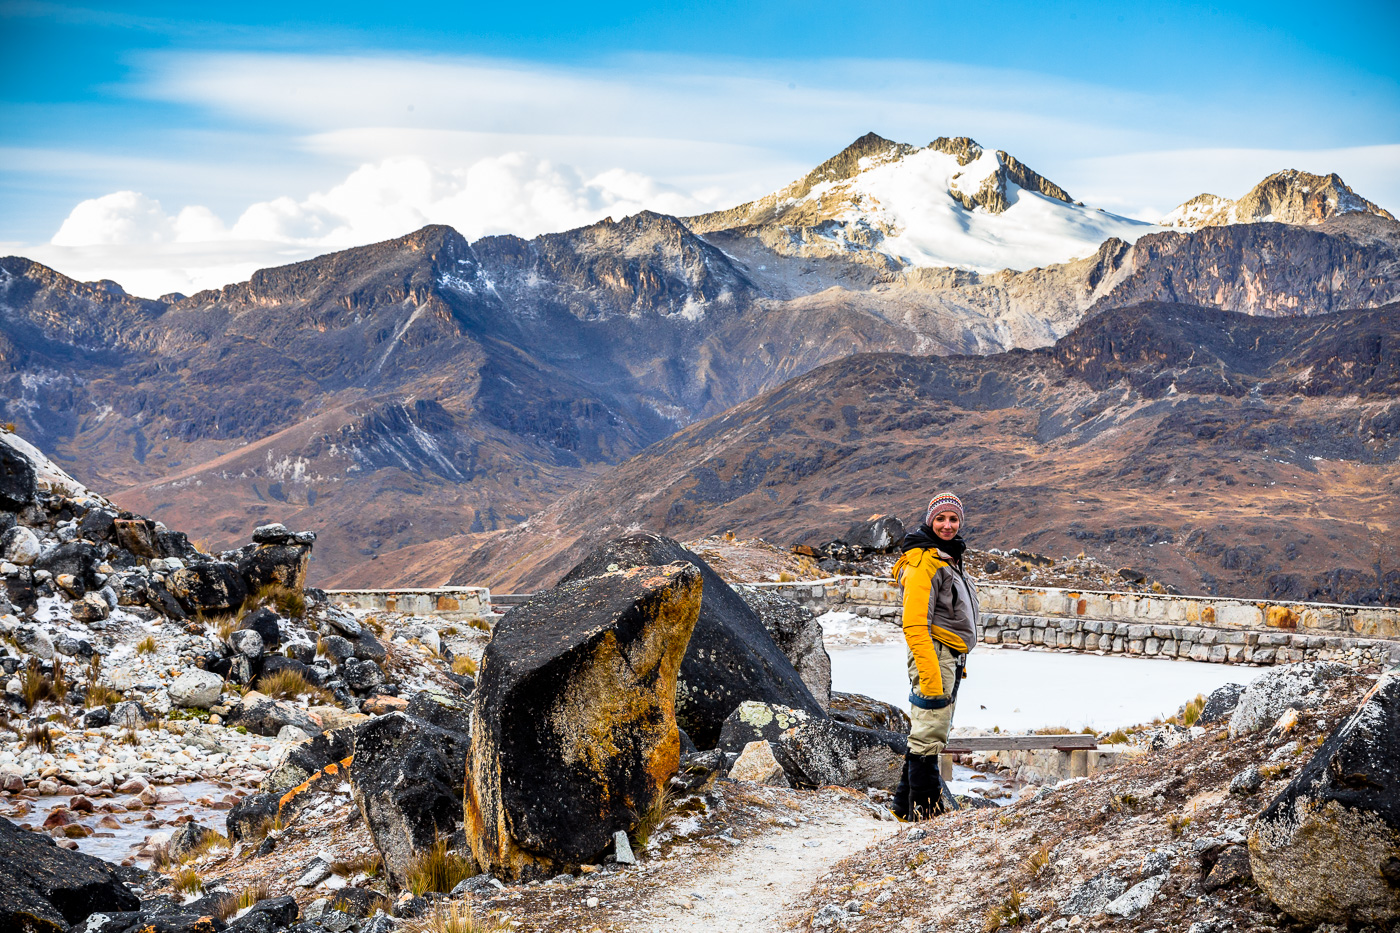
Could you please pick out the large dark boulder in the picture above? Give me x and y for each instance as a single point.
(1327, 849)
(574, 726)
(249, 815)
(407, 778)
(45, 888)
(78, 558)
(269, 716)
(213, 587)
(282, 565)
(856, 709)
(824, 751)
(1220, 704)
(731, 657)
(881, 533)
(17, 479)
(98, 525)
(798, 635)
(264, 622)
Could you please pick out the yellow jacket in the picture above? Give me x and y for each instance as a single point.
(939, 603)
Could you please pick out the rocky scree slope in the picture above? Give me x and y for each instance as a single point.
(1215, 451)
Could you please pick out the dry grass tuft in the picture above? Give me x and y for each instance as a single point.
(368, 865)
(463, 666)
(146, 645)
(288, 602)
(187, 881)
(101, 695)
(1034, 865)
(651, 819)
(438, 869)
(1177, 823)
(456, 917)
(288, 684)
(477, 622)
(1191, 711)
(1007, 913)
(40, 736)
(244, 899)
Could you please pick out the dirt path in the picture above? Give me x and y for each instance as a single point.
(753, 887)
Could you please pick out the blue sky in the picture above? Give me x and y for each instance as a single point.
(169, 151)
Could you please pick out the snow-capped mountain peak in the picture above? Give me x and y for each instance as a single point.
(1290, 197)
(950, 203)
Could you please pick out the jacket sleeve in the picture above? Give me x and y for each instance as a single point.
(917, 585)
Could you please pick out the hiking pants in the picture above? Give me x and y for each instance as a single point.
(929, 727)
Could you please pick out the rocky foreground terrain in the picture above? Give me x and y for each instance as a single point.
(637, 748)
(408, 398)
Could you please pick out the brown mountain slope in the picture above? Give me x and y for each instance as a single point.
(1221, 452)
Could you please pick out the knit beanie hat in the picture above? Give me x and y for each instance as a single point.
(944, 502)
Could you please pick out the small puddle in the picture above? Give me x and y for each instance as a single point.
(133, 826)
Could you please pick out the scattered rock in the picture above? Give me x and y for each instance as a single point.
(247, 817)
(337, 650)
(577, 689)
(622, 849)
(1230, 866)
(1247, 781)
(186, 839)
(731, 657)
(1093, 896)
(878, 533)
(267, 717)
(1299, 685)
(264, 622)
(1325, 850)
(758, 764)
(19, 546)
(247, 643)
(1220, 704)
(213, 587)
(361, 676)
(196, 689)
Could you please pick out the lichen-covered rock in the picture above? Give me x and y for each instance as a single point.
(269, 716)
(19, 546)
(824, 751)
(45, 889)
(1298, 685)
(407, 777)
(265, 622)
(856, 709)
(798, 634)
(1327, 849)
(283, 565)
(731, 657)
(753, 721)
(574, 726)
(248, 815)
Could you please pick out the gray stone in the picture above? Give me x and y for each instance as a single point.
(1136, 899)
(196, 689)
(622, 849)
(1090, 898)
(247, 643)
(35, 641)
(1302, 686)
(1247, 781)
(19, 546)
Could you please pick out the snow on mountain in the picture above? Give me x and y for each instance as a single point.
(1290, 197)
(951, 203)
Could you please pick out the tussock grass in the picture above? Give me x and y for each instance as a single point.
(438, 869)
(288, 684)
(1053, 730)
(464, 666)
(244, 899)
(287, 601)
(1117, 737)
(187, 881)
(146, 645)
(34, 685)
(651, 819)
(477, 622)
(456, 917)
(101, 695)
(40, 736)
(368, 865)
(1177, 823)
(1006, 913)
(1191, 711)
(1034, 865)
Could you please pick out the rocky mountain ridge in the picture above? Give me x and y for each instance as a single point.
(1227, 453)
(401, 395)
(1289, 196)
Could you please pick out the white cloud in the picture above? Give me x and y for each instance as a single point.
(126, 235)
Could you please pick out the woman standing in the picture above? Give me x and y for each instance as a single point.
(940, 628)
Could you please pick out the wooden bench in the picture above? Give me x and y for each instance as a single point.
(1009, 743)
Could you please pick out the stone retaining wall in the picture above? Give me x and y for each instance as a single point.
(457, 603)
(1201, 628)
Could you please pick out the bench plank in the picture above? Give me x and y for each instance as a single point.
(1004, 743)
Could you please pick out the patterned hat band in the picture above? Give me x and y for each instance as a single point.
(944, 502)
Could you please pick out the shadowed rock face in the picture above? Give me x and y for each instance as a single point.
(1327, 849)
(574, 725)
(45, 889)
(732, 657)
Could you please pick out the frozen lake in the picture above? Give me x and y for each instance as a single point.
(1022, 690)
